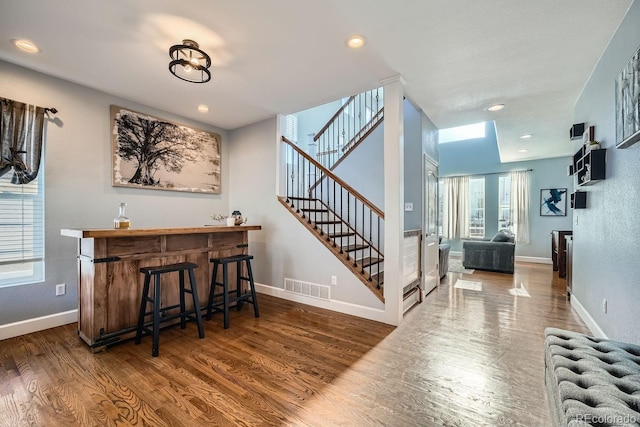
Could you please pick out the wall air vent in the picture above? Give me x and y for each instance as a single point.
(307, 289)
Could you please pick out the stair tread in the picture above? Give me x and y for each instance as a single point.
(341, 234)
(315, 209)
(355, 247)
(302, 198)
(329, 222)
(366, 262)
(379, 277)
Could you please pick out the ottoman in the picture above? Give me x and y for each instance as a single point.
(591, 381)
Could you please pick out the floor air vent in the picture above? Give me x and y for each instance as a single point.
(308, 289)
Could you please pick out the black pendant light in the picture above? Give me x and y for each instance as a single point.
(189, 63)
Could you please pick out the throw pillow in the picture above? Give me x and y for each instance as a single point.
(501, 236)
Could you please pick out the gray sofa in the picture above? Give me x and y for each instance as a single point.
(443, 263)
(591, 381)
(497, 254)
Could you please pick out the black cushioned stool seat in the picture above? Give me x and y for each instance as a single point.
(240, 297)
(591, 381)
(184, 314)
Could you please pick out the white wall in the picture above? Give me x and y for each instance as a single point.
(78, 191)
(606, 235)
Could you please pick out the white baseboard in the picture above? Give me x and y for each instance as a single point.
(534, 259)
(455, 254)
(587, 319)
(28, 326)
(339, 306)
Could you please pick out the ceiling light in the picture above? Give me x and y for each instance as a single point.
(203, 108)
(356, 41)
(526, 136)
(189, 63)
(26, 45)
(524, 150)
(495, 107)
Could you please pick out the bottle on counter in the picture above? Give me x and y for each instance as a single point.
(122, 221)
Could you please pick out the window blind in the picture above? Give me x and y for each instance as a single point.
(21, 231)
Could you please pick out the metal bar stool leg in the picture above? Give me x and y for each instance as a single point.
(196, 303)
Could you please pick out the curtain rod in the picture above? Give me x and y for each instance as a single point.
(488, 173)
(53, 110)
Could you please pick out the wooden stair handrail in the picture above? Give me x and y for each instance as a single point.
(352, 146)
(340, 110)
(330, 174)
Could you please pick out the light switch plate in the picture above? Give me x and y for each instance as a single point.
(408, 207)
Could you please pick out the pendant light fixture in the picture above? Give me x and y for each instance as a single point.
(189, 63)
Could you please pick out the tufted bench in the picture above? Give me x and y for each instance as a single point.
(591, 381)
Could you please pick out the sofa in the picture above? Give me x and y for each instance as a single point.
(443, 263)
(497, 254)
(591, 381)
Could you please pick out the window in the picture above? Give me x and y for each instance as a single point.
(504, 201)
(461, 133)
(21, 231)
(476, 207)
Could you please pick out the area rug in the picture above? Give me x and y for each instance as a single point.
(468, 284)
(455, 266)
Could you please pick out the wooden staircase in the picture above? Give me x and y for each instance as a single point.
(347, 244)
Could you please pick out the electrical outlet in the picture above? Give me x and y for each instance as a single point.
(61, 289)
(334, 280)
(604, 305)
(408, 207)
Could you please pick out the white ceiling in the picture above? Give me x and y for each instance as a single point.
(282, 56)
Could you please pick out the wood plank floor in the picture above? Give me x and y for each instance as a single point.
(461, 358)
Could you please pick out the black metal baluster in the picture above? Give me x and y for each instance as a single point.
(348, 220)
(371, 241)
(379, 253)
(355, 228)
(334, 214)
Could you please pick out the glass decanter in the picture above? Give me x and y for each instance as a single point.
(122, 221)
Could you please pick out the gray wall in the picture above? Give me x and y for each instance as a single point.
(606, 234)
(312, 120)
(78, 191)
(412, 165)
(480, 156)
(284, 248)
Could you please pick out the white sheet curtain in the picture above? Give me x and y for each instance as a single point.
(455, 215)
(519, 210)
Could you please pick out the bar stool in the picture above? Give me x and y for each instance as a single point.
(240, 297)
(184, 314)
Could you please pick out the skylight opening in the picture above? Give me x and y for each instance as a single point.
(462, 133)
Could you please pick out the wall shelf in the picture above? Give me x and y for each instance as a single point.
(579, 200)
(589, 166)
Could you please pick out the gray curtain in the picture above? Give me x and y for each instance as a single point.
(21, 139)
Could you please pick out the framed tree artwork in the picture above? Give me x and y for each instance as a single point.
(553, 202)
(158, 154)
(628, 103)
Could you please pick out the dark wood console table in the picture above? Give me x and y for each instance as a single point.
(559, 251)
(109, 279)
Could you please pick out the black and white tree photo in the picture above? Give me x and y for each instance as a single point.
(152, 153)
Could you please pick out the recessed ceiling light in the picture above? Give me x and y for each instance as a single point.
(26, 45)
(356, 41)
(203, 108)
(524, 150)
(496, 107)
(526, 136)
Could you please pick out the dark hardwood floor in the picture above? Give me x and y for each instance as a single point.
(461, 358)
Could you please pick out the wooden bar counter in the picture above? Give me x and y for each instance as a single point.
(109, 278)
